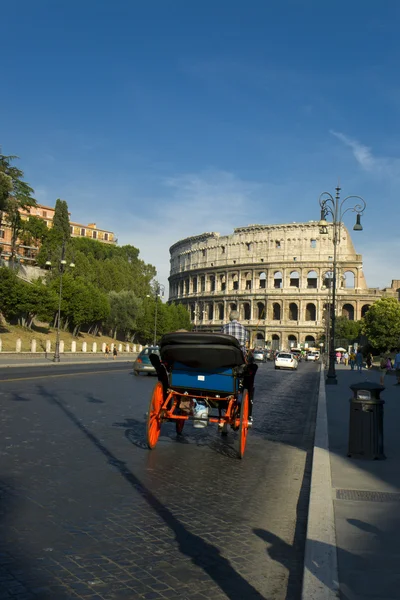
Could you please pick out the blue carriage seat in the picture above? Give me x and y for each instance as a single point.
(203, 361)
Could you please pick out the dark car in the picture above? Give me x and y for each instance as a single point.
(142, 363)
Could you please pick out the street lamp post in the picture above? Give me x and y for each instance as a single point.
(159, 291)
(336, 208)
(63, 263)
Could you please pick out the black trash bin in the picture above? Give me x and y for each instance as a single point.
(366, 421)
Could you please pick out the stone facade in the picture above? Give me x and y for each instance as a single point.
(277, 276)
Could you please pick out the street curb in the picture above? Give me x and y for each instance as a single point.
(320, 577)
(64, 363)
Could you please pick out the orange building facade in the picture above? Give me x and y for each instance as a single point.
(26, 253)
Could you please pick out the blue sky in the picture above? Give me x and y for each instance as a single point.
(161, 119)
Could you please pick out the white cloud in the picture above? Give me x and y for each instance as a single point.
(377, 165)
(193, 204)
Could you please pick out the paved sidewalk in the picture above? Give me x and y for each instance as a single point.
(368, 524)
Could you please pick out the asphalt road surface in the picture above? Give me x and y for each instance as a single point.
(87, 511)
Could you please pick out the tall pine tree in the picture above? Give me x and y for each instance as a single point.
(61, 220)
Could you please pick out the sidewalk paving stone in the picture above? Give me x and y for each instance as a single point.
(368, 528)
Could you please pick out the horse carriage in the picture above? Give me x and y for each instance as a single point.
(203, 377)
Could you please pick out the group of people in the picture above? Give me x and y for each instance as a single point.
(107, 351)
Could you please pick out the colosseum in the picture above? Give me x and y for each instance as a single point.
(278, 278)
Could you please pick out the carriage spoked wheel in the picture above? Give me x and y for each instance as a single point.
(154, 415)
(244, 423)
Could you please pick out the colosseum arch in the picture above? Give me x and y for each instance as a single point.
(364, 310)
(192, 312)
(294, 279)
(212, 283)
(310, 340)
(245, 311)
(202, 283)
(234, 281)
(293, 312)
(262, 280)
(278, 279)
(349, 279)
(275, 341)
(220, 311)
(276, 311)
(222, 283)
(348, 311)
(327, 279)
(292, 341)
(260, 310)
(312, 279)
(233, 306)
(311, 312)
(248, 282)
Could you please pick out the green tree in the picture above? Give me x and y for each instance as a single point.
(125, 308)
(34, 231)
(12, 186)
(61, 220)
(347, 330)
(36, 300)
(381, 324)
(10, 293)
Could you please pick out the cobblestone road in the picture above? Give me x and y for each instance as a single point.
(88, 512)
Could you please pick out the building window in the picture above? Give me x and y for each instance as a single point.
(44, 214)
(204, 252)
(313, 243)
(94, 235)
(106, 237)
(277, 244)
(2, 234)
(248, 244)
(223, 249)
(83, 232)
(235, 285)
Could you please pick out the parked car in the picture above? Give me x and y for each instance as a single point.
(313, 356)
(260, 355)
(286, 360)
(142, 363)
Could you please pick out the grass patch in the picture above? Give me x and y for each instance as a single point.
(10, 333)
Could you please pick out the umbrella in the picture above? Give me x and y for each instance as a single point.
(340, 350)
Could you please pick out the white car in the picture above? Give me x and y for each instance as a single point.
(285, 360)
(313, 356)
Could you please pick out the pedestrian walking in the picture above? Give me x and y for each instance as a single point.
(346, 358)
(115, 352)
(385, 366)
(359, 360)
(396, 366)
(352, 359)
(107, 351)
(338, 357)
(369, 360)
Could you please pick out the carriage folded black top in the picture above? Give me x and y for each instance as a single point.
(208, 351)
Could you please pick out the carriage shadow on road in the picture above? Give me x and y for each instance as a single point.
(135, 432)
(202, 554)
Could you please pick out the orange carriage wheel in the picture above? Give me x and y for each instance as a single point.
(154, 415)
(244, 423)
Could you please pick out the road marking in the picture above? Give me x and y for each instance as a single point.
(63, 375)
